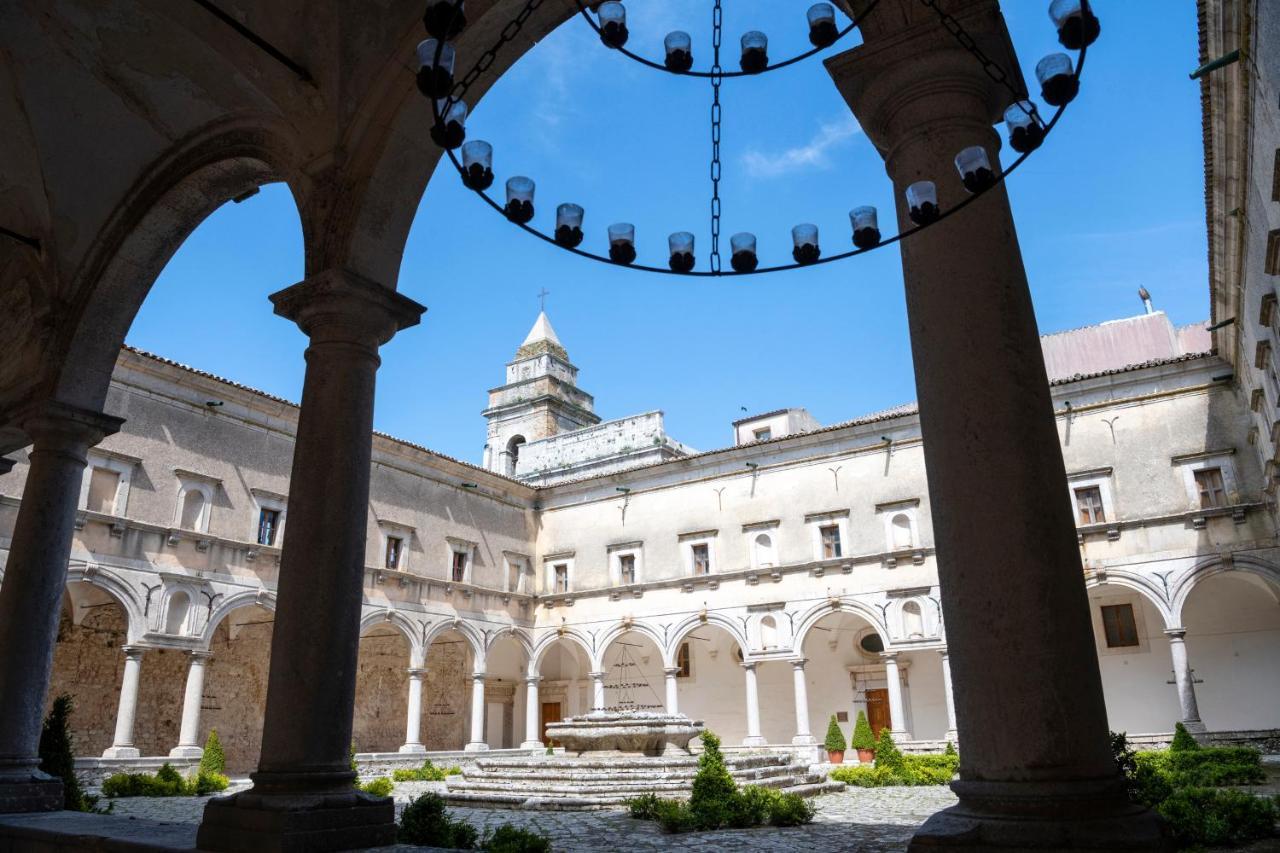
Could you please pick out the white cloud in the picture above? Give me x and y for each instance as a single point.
(812, 155)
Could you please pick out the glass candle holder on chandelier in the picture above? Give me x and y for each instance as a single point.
(435, 59)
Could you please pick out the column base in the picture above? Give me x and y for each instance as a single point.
(1058, 817)
(29, 790)
(283, 823)
(187, 752)
(953, 736)
(754, 740)
(413, 748)
(121, 752)
(1195, 727)
(476, 746)
(533, 744)
(804, 740)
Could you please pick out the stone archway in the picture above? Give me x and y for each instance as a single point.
(446, 691)
(1133, 654)
(635, 677)
(382, 691)
(235, 688)
(710, 685)
(87, 664)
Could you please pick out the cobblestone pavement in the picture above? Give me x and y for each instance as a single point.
(870, 820)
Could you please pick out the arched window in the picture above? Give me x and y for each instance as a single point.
(192, 510)
(764, 551)
(768, 632)
(902, 537)
(912, 620)
(179, 605)
(513, 452)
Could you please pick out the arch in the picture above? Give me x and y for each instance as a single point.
(248, 598)
(1205, 569)
(1140, 584)
(214, 164)
(616, 631)
(544, 643)
(473, 637)
(513, 452)
(691, 624)
(844, 605)
(396, 619)
(519, 636)
(119, 589)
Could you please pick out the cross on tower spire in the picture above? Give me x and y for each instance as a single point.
(542, 299)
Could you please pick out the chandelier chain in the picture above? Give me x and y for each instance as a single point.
(989, 65)
(717, 77)
(508, 34)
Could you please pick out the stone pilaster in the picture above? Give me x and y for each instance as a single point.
(1036, 771)
(30, 598)
(302, 793)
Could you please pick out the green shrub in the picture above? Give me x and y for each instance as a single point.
(425, 821)
(208, 782)
(887, 752)
(57, 756)
(213, 760)
(1216, 817)
(511, 839)
(675, 816)
(1214, 767)
(864, 776)
(1182, 740)
(790, 810)
(752, 806)
(863, 737)
(428, 772)
(951, 750)
(380, 787)
(835, 741)
(166, 782)
(711, 802)
(910, 770)
(644, 807)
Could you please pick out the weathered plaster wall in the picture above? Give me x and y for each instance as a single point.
(382, 691)
(446, 696)
(235, 689)
(87, 664)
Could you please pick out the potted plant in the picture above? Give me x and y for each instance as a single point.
(835, 743)
(863, 739)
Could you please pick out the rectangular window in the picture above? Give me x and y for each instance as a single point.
(627, 569)
(683, 662)
(1089, 505)
(1275, 178)
(701, 559)
(562, 577)
(1212, 492)
(830, 541)
(103, 486)
(1272, 263)
(763, 434)
(459, 566)
(394, 545)
(268, 524)
(1120, 627)
(514, 570)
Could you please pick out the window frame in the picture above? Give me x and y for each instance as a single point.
(764, 433)
(1095, 511)
(889, 511)
(1215, 493)
(519, 564)
(1095, 478)
(1134, 601)
(684, 668)
(833, 518)
(549, 563)
(688, 541)
(1121, 625)
(269, 500)
(189, 481)
(616, 553)
(1224, 461)
(122, 466)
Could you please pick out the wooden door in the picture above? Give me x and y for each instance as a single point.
(550, 714)
(878, 710)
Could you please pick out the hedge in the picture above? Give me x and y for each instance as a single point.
(166, 782)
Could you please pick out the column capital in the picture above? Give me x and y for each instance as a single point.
(133, 652)
(671, 671)
(943, 651)
(200, 655)
(338, 305)
(890, 657)
(597, 676)
(52, 424)
(1175, 633)
(417, 671)
(478, 676)
(798, 663)
(532, 680)
(749, 665)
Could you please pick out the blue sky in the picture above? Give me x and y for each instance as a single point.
(1113, 201)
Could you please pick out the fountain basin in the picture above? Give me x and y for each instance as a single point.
(626, 732)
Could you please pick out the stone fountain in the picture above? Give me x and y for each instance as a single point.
(610, 757)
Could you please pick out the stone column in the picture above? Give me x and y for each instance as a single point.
(673, 689)
(302, 792)
(1036, 770)
(413, 717)
(803, 737)
(122, 744)
(753, 737)
(189, 735)
(532, 714)
(952, 735)
(597, 691)
(897, 709)
(31, 596)
(1182, 677)
(477, 743)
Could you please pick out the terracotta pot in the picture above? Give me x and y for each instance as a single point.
(835, 757)
(866, 756)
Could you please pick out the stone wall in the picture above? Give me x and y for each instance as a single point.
(160, 691)
(382, 691)
(446, 696)
(87, 664)
(235, 690)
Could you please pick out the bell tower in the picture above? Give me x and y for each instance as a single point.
(540, 399)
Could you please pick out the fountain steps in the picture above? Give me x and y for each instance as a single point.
(645, 771)
(538, 800)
